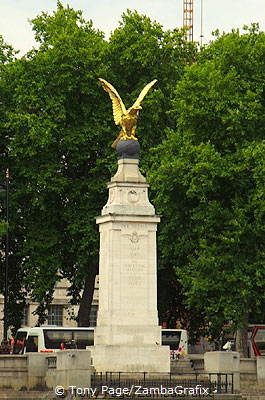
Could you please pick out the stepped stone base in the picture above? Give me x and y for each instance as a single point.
(181, 366)
(26, 395)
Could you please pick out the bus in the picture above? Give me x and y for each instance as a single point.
(56, 338)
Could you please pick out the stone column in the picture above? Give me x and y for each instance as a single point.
(127, 336)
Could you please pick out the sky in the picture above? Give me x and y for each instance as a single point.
(106, 14)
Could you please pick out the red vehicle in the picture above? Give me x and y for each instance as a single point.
(257, 339)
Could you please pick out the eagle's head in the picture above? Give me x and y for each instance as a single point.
(135, 110)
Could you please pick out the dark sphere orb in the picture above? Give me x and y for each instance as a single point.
(128, 149)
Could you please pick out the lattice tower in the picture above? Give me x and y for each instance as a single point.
(188, 18)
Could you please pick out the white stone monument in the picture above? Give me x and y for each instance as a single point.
(127, 336)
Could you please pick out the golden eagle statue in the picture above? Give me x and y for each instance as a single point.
(127, 119)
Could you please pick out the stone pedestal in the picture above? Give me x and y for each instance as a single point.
(37, 369)
(73, 368)
(261, 370)
(223, 362)
(127, 336)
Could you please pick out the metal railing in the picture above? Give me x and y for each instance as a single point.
(162, 385)
(52, 362)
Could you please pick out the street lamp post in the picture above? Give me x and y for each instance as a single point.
(6, 291)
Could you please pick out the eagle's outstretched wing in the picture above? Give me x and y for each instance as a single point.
(143, 93)
(117, 104)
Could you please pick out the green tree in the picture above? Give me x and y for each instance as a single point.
(60, 129)
(57, 149)
(209, 181)
(7, 56)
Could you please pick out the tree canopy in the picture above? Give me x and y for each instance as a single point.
(56, 146)
(206, 122)
(58, 126)
(208, 177)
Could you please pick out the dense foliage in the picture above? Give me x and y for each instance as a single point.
(206, 120)
(58, 127)
(2, 228)
(208, 176)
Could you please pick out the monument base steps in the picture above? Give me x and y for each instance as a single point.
(181, 366)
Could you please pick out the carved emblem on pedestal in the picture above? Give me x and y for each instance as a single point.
(133, 196)
(134, 237)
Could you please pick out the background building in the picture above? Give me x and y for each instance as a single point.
(60, 312)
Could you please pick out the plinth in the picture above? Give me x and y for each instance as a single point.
(127, 336)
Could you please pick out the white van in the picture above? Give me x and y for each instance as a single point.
(55, 338)
(177, 340)
(20, 340)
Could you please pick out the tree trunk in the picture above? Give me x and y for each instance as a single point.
(242, 342)
(242, 339)
(87, 296)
